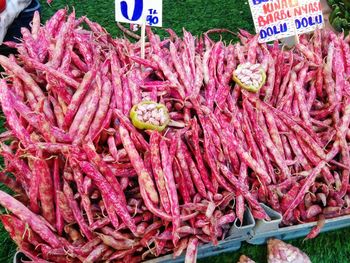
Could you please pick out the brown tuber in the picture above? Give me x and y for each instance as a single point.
(281, 252)
(245, 259)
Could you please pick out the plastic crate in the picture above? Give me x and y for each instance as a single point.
(238, 233)
(239, 229)
(265, 230)
(204, 251)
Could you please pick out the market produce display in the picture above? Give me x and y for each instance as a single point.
(91, 186)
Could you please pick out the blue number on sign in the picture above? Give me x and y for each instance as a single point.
(137, 10)
(152, 20)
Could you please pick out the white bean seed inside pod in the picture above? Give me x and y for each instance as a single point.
(249, 74)
(149, 113)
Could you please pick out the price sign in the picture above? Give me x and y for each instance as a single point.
(139, 12)
(276, 19)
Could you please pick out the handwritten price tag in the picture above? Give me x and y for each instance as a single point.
(276, 19)
(139, 11)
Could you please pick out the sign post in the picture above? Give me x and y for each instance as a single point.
(139, 12)
(143, 36)
(276, 19)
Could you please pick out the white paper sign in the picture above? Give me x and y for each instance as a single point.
(275, 19)
(139, 11)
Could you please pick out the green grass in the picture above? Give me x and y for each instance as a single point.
(195, 15)
(198, 16)
(7, 246)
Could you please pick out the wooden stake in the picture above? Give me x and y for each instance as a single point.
(143, 35)
(297, 41)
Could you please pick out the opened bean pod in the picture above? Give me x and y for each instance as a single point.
(250, 76)
(149, 115)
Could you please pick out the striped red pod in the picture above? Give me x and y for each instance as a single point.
(2, 5)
